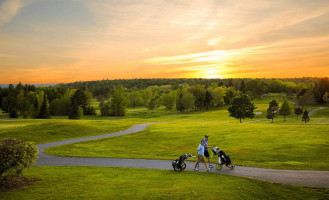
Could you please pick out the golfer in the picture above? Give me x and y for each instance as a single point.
(200, 154)
(206, 152)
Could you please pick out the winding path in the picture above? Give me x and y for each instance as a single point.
(296, 177)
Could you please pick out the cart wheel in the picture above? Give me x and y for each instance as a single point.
(183, 166)
(232, 166)
(218, 166)
(177, 169)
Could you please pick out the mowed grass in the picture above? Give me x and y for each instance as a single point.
(261, 144)
(129, 183)
(42, 131)
(289, 144)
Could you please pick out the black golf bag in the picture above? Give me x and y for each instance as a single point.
(179, 164)
(223, 159)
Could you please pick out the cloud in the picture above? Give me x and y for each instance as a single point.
(8, 9)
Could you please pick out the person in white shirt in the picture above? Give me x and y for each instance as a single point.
(200, 154)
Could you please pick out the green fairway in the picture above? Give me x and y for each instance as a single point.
(261, 144)
(128, 183)
(289, 144)
(42, 131)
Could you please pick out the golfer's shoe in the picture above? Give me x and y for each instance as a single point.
(196, 169)
(208, 169)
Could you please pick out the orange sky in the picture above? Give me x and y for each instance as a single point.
(56, 41)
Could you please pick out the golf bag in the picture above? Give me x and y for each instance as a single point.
(223, 159)
(179, 164)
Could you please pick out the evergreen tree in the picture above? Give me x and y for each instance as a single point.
(242, 87)
(285, 109)
(35, 108)
(298, 111)
(78, 101)
(80, 98)
(44, 111)
(305, 117)
(242, 107)
(272, 110)
(76, 111)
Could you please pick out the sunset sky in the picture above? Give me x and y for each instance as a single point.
(56, 41)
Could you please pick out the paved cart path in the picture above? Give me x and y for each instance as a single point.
(296, 177)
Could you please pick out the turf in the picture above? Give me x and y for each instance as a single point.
(261, 144)
(42, 131)
(128, 183)
(289, 144)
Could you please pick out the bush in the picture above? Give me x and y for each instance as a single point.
(15, 156)
(89, 110)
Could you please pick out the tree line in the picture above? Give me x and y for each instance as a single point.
(114, 96)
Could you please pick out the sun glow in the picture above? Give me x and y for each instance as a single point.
(210, 74)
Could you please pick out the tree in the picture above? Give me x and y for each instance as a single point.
(35, 108)
(242, 87)
(308, 98)
(78, 101)
(13, 112)
(168, 100)
(298, 111)
(255, 87)
(242, 107)
(218, 94)
(207, 100)
(326, 97)
(154, 103)
(9, 103)
(230, 93)
(305, 117)
(323, 86)
(154, 99)
(185, 100)
(44, 111)
(199, 93)
(285, 109)
(135, 99)
(272, 110)
(105, 108)
(80, 97)
(20, 101)
(118, 102)
(76, 111)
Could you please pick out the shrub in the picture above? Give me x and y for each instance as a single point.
(89, 110)
(15, 156)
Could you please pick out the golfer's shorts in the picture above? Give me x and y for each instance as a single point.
(206, 154)
(201, 158)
